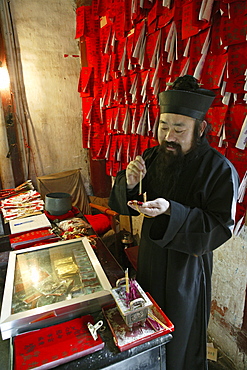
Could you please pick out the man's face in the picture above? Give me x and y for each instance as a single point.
(176, 130)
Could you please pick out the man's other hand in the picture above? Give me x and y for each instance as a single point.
(135, 171)
(151, 208)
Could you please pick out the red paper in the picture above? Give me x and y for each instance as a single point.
(54, 345)
(134, 146)
(234, 121)
(188, 29)
(94, 60)
(80, 22)
(237, 8)
(216, 46)
(196, 45)
(29, 238)
(116, 167)
(86, 82)
(216, 118)
(214, 143)
(237, 61)
(119, 18)
(98, 141)
(108, 168)
(84, 21)
(105, 39)
(154, 12)
(240, 213)
(144, 143)
(233, 31)
(238, 158)
(127, 13)
(166, 16)
(150, 45)
(236, 86)
(113, 148)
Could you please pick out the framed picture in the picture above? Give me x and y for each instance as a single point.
(50, 284)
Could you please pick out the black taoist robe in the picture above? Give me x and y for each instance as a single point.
(175, 253)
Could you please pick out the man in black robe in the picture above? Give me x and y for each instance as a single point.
(191, 194)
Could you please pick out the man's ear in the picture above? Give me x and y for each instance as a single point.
(203, 127)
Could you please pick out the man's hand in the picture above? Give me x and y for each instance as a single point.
(151, 208)
(135, 170)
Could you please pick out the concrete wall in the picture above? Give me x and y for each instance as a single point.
(46, 31)
(5, 163)
(228, 299)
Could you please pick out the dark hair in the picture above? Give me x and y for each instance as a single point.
(196, 133)
(190, 83)
(186, 83)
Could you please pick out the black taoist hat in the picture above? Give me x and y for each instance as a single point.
(186, 98)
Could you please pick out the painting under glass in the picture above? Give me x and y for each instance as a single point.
(49, 283)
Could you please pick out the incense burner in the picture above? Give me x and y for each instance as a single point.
(133, 306)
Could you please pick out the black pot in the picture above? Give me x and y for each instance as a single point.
(58, 204)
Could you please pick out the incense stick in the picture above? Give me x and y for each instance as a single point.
(140, 183)
(127, 281)
(152, 316)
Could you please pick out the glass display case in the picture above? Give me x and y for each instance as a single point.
(50, 284)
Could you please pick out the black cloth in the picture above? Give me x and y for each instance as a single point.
(175, 254)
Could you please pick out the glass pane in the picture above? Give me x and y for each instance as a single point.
(51, 275)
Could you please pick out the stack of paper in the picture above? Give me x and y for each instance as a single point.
(32, 238)
(29, 231)
(22, 205)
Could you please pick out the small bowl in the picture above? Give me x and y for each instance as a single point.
(58, 204)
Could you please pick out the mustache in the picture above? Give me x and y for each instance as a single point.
(170, 144)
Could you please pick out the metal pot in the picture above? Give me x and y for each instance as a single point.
(58, 204)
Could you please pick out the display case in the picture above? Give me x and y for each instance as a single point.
(52, 283)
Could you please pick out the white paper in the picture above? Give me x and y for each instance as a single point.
(107, 154)
(187, 47)
(242, 139)
(20, 225)
(156, 53)
(206, 9)
(144, 88)
(155, 126)
(89, 136)
(186, 67)
(137, 50)
(117, 120)
(126, 121)
(226, 98)
(242, 188)
(133, 123)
